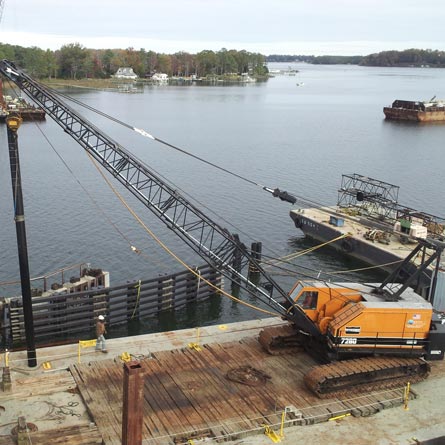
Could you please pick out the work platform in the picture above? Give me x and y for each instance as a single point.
(186, 392)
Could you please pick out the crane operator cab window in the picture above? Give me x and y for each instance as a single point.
(308, 300)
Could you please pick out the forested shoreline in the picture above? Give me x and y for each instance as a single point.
(73, 61)
(406, 58)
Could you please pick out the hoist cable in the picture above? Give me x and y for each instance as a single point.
(283, 195)
(96, 204)
(169, 251)
(161, 141)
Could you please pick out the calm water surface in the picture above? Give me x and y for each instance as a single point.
(298, 138)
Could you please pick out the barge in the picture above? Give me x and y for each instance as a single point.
(187, 397)
(18, 105)
(369, 225)
(416, 111)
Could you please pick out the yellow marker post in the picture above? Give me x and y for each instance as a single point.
(195, 346)
(406, 396)
(125, 357)
(7, 358)
(283, 418)
(85, 344)
(271, 434)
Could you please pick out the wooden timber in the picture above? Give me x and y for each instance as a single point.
(187, 395)
(46, 398)
(73, 435)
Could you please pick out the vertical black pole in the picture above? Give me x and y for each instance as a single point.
(255, 252)
(236, 264)
(434, 277)
(13, 124)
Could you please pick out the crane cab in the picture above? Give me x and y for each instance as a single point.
(321, 301)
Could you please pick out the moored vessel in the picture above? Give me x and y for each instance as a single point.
(416, 111)
(368, 224)
(20, 106)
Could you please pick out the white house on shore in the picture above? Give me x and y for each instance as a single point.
(125, 73)
(159, 77)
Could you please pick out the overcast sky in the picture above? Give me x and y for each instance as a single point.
(344, 27)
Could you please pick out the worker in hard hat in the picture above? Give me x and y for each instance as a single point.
(100, 331)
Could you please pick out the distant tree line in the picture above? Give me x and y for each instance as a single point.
(409, 57)
(316, 60)
(73, 61)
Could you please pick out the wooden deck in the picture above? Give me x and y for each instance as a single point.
(188, 396)
(53, 410)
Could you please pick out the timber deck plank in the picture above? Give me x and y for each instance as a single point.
(187, 394)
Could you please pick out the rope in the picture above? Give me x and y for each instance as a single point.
(138, 287)
(150, 136)
(310, 249)
(170, 252)
(367, 268)
(153, 341)
(96, 204)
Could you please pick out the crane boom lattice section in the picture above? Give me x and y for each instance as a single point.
(212, 242)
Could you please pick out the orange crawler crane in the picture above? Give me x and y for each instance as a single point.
(385, 336)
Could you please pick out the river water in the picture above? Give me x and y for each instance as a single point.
(298, 138)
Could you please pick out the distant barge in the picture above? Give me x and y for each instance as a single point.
(18, 105)
(416, 111)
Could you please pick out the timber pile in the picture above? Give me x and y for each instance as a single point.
(188, 396)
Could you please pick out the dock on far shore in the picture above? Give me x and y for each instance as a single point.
(75, 394)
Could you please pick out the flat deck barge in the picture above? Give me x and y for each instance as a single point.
(416, 111)
(187, 396)
(369, 224)
(27, 111)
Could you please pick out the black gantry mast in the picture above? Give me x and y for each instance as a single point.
(13, 124)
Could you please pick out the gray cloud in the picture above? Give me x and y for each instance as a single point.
(351, 26)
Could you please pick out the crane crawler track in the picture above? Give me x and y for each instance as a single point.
(345, 378)
(280, 340)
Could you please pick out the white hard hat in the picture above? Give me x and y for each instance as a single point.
(101, 317)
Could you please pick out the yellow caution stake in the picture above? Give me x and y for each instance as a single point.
(271, 434)
(195, 346)
(85, 344)
(125, 357)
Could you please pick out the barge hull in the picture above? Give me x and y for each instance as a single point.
(413, 115)
(352, 246)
